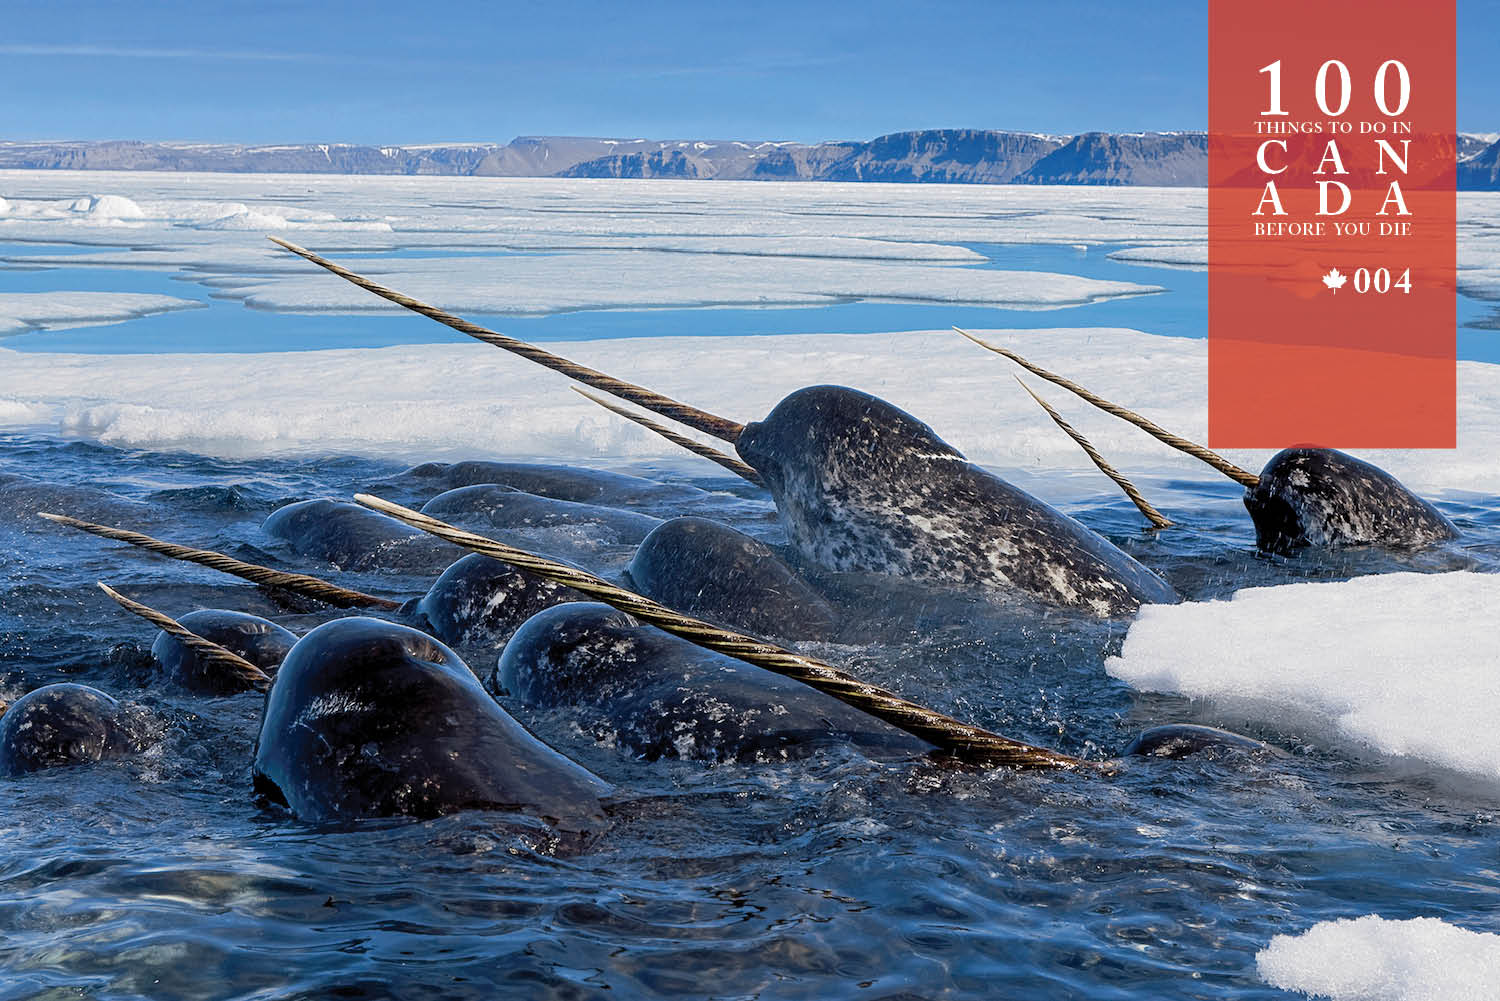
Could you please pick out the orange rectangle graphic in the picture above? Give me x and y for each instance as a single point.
(1332, 224)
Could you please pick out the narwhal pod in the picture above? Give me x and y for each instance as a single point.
(355, 538)
(568, 483)
(487, 507)
(64, 724)
(862, 486)
(654, 695)
(367, 718)
(260, 641)
(1322, 497)
(709, 570)
(480, 602)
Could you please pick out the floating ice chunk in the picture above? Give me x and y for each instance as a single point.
(15, 413)
(1194, 255)
(1402, 663)
(4, 206)
(21, 312)
(1373, 959)
(247, 218)
(107, 207)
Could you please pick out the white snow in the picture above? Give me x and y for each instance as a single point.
(428, 401)
(21, 312)
(1374, 959)
(110, 207)
(1331, 659)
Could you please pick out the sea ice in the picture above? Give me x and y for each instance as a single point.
(1403, 663)
(1374, 959)
(21, 312)
(467, 399)
(539, 284)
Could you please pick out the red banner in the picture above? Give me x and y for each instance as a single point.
(1332, 151)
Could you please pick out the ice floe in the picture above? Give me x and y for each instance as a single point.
(24, 311)
(1375, 959)
(1384, 661)
(540, 284)
(426, 401)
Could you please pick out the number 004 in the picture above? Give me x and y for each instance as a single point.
(1380, 281)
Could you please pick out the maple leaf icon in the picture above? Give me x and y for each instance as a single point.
(1335, 279)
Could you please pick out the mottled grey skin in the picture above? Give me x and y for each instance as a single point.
(862, 486)
(355, 538)
(260, 641)
(656, 696)
(1320, 497)
(709, 570)
(479, 602)
(569, 483)
(371, 719)
(487, 506)
(1178, 740)
(63, 724)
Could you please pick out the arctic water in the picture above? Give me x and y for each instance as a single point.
(829, 876)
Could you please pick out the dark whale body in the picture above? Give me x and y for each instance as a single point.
(490, 507)
(568, 483)
(260, 641)
(355, 538)
(1316, 497)
(862, 486)
(63, 724)
(655, 696)
(1178, 740)
(480, 602)
(21, 497)
(370, 719)
(709, 570)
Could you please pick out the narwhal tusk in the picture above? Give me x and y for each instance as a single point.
(708, 423)
(963, 740)
(1197, 451)
(1154, 516)
(312, 587)
(207, 650)
(708, 452)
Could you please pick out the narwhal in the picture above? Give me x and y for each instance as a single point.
(1303, 497)
(864, 487)
(691, 564)
(575, 654)
(363, 718)
(71, 724)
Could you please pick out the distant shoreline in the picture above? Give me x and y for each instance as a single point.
(945, 156)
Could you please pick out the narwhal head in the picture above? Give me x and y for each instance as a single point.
(823, 435)
(1304, 496)
(1323, 497)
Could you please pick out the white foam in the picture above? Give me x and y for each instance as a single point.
(21, 312)
(1401, 663)
(1374, 959)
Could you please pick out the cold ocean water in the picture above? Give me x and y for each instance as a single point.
(834, 876)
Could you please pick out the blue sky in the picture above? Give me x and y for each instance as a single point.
(440, 70)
